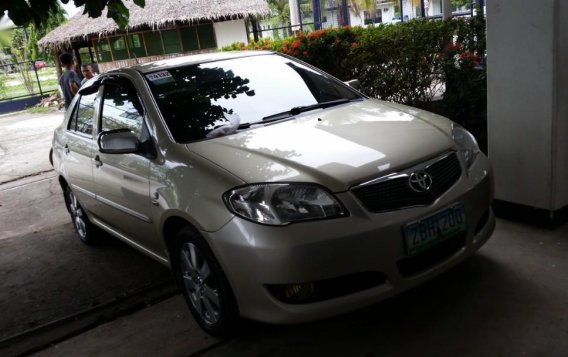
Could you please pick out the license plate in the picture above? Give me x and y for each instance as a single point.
(425, 233)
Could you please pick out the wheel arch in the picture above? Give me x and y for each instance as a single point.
(62, 182)
(171, 226)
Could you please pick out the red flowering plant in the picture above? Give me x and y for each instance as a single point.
(410, 62)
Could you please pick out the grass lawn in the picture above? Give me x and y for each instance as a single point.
(12, 84)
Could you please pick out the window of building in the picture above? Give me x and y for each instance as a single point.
(153, 43)
(85, 54)
(118, 45)
(103, 50)
(189, 39)
(136, 46)
(171, 41)
(206, 35)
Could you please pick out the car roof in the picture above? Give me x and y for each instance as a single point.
(194, 59)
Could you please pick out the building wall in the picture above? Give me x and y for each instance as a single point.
(228, 32)
(221, 34)
(527, 101)
(560, 194)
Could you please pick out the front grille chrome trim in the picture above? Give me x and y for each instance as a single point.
(406, 172)
(393, 192)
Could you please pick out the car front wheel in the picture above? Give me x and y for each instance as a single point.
(204, 285)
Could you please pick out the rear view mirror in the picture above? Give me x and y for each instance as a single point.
(120, 141)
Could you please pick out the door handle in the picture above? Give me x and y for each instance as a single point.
(97, 161)
(66, 149)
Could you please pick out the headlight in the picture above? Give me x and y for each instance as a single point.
(466, 143)
(281, 204)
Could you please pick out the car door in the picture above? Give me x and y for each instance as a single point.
(78, 149)
(122, 180)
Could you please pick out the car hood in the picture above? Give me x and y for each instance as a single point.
(337, 147)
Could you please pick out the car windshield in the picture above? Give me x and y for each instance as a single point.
(217, 98)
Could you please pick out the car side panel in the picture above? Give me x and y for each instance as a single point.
(123, 201)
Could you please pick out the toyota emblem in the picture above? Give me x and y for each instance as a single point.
(420, 181)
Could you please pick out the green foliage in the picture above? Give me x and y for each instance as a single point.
(410, 62)
(2, 85)
(400, 62)
(25, 12)
(24, 40)
(461, 3)
(281, 11)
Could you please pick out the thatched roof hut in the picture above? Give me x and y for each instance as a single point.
(156, 14)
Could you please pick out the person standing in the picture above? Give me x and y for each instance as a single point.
(88, 73)
(69, 82)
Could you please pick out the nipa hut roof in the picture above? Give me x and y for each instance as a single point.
(156, 14)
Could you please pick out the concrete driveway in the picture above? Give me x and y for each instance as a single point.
(25, 139)
(510, 299)
(47, 274)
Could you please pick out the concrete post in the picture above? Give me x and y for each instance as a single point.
(294, 14)
(527, 47)
(446, 9)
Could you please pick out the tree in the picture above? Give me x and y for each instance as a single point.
(461, 3)
(26, 38)
(25, 12)
(280, 10)
(367, 5)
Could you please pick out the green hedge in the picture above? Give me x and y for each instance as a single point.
(406, 62)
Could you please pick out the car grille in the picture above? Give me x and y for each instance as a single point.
(395, 193)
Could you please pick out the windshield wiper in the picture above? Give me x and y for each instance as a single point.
(301, 109)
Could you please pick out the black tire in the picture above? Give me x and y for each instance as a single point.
(85, 230)
(204, 285)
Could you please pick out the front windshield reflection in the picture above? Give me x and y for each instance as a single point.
(197, 99)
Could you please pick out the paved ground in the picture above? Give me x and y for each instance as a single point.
(47, 273)
(25, 140)
(510, 299)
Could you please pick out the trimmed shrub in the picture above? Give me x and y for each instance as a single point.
(432, 64)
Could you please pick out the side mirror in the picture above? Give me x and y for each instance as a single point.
(120, 141)
(354, 83)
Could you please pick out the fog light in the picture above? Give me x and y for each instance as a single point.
(298, 292)
(293, 293)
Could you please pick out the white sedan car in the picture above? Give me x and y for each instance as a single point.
(274, 191)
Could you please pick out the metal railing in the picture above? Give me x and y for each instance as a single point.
(26, 79)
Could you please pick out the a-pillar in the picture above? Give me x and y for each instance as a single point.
(527, 57)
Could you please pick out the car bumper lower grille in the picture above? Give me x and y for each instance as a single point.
(394, 192)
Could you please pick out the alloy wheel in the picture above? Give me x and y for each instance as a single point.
(77, 215)
(200, 284)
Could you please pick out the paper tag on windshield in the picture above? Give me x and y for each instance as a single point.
(160, 77)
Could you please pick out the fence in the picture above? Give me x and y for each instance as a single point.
(26, 79)
(23, 84)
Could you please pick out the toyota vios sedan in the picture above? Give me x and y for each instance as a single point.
(273, 190)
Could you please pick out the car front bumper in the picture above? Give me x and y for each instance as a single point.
(255, 256)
